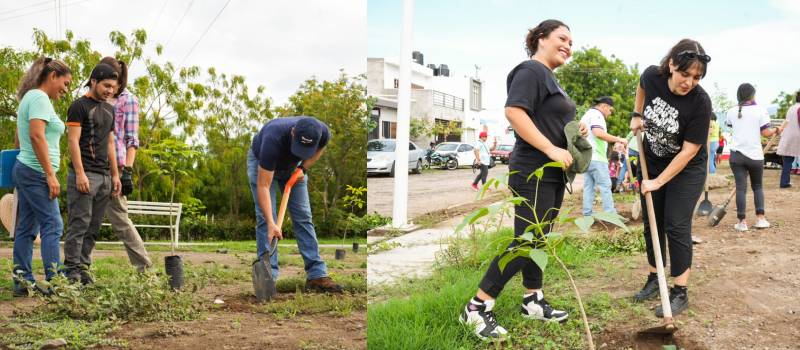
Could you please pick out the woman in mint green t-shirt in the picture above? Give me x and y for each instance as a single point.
(39, 130)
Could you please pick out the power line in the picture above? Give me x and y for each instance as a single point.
(204, 33)
(41, 10)
(24, 7)
(179, 22)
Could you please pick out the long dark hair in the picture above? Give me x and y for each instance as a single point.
(38, 72)
(541, 31)
(122, 72)
(682, 61)
(744, 93)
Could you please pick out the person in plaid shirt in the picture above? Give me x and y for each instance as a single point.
(126, 138)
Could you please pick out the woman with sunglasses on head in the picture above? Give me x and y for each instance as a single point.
(748, 123)
(538, 109)
(674, 112)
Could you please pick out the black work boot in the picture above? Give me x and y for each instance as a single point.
(678, 301)
(649, 291)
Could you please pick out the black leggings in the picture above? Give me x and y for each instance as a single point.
(673, 205)
(551, 194)
(482, 175)
(742, 166)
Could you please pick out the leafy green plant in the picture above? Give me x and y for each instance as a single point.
(172, 155)
(354, 199)
(534, 243)
(77, 333)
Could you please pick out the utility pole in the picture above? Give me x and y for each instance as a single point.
(400, 207)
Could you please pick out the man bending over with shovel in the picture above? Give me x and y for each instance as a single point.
(282, 146)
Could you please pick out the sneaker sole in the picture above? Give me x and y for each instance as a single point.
(542, 318)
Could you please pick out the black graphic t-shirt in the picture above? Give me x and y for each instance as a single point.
(96, 120)
(670, 120)
(533, 87)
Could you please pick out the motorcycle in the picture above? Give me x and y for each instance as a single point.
(445, 161)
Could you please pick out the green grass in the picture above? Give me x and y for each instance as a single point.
(423, 313)
(86, 317)
(231, 246)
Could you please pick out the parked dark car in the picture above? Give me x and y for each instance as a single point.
(501, 153)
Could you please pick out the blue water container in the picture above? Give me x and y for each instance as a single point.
(7, 159)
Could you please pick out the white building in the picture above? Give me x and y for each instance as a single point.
(436, 96)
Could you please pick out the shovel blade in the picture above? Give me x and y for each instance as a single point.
(263, 283)
(636, 210)
(705, 208)
(716, 216)
(666, 328)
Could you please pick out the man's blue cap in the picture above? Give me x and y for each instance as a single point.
(307, 133)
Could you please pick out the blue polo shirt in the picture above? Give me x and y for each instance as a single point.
(272, 145)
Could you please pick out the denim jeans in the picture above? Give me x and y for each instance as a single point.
(299, 208)
(624, 167)
(36, 213)
(597, 175)
(786, 167)
(712, 152)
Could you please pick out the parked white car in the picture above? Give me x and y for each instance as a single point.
(465, 153)
(381, 157)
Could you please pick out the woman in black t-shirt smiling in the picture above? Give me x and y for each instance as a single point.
(674, 112)
(538, 109)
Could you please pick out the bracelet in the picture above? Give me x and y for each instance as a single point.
(301, 167)
(636, 114)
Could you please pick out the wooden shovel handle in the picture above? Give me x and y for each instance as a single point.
(297, 174)
(648, 198)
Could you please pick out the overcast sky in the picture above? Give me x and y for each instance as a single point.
(749, 41)
(278, 44)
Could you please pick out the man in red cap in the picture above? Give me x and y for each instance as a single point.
(482, 157)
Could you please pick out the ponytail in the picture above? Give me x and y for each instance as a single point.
(740, 111)
(38, 72)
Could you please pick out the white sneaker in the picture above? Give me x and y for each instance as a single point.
(761, 223)
(534, 306)
(481, 317)
(742, 226)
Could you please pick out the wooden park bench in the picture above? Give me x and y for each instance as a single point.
(156, 208)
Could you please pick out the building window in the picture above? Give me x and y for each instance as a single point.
(375, 118)
(389, 130)
(396, 83)
(475, 95)
(448, 101)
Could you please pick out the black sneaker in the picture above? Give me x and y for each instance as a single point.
(678, 301)
(481, 317)
(86, 277)
(649, 291)
(536, 307)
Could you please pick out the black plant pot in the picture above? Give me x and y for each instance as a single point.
(174, 267)
(340, 253)
(355, 247)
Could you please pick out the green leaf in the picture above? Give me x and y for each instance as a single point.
(471, 218)
(527, 236)
(613, 218)
(539, 257)
(516, 200)
(584, 223)
(554, 235)
(515, 252)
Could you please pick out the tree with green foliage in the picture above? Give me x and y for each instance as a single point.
(590, 75)
(784, 101)
(231, 116)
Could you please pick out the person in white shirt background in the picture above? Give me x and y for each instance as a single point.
(748, 123)
(482, 158)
